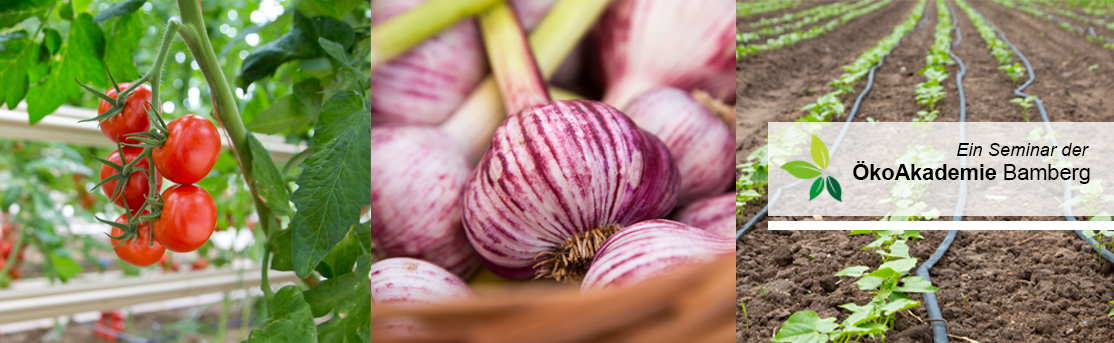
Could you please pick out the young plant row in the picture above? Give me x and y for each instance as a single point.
(770, 21)
(753, 177)
(829, 105)
(889, 285)
(930, 92)
(1027, 8)
(1092, 37)
(795, 37)
(743, 9)
(837, 9)
(997, 47)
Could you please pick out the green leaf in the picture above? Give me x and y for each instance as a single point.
(343, 257)
(859, 314)
(898, 305)
(291, 321)
(869, 282)
(341, 293)
(266, 178)
(805, 327)
(834, 189)
(353, 328)
(855, 271)
(897, 250)
(915, 284)
(291, 111)
(283, 252)
(13, 12)
(52, 40)
(16, 58)
(333, 8)
(801, 169)
(335, 50)
(119, 9)
(819, 152)
(119, 51)
(300, 43)
(80, 59)
(816, 189)
(64, 267)
(334, 181)
(900, 266)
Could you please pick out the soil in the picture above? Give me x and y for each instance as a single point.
(995, 286)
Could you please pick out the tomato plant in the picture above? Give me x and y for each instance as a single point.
(190, 150)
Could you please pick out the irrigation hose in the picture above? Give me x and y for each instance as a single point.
(850, 117)
(939, 328)
(1106, 254)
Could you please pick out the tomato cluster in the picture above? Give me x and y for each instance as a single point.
(188, 153)
(7, 241)
(109, 326)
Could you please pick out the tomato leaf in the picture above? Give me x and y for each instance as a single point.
(64, 267)
(353, 328)
(267, 180)
(340, 260)
(801, 169)
(80, 59)
(819, 152)
(13, 12)
(333, 185)
(17, 54)
(291, 111)
(119, 51)
(119, 9)
(343, 292)
(52, 40)
(298, 44)
(333, 8)
(291, 319)
(816, 189)
(284, 253)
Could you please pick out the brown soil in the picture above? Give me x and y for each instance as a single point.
(995, 286)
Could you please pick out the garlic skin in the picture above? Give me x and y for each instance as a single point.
(649, 249)
(702, 145)
(715, 214)
(406, 282)
(558, 170)
(645, 44)
(425, 84)
(417, 178)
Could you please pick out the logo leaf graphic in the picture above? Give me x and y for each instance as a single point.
(801, 169)
(834, 190)
(816, 189)
(819, 152)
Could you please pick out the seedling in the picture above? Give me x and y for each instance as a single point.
(1093, 67)
(1111, 314)
(747, 318)
(754, 175)
(1025, 104)
(1015, 71)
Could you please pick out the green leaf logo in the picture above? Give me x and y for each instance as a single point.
(805, 170)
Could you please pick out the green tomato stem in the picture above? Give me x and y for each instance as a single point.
(401, 32)
(197, 40)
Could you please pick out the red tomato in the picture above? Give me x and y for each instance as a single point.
(136, 250)
(134, 116)
(5, 249)
(190, 150)
(137, 187)
(200, 264)
(88, 201)
(189, 216)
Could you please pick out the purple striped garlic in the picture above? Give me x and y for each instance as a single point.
(417, 177)
(715, 214)
(650, 249)
(702, 145)
(559, 179)
(425, 84)
(408, 282)
(646, 44)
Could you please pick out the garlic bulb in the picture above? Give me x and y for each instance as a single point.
(408, 282)
(715, 214)
(650, 249)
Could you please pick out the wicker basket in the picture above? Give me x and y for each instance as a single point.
(691, 305)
